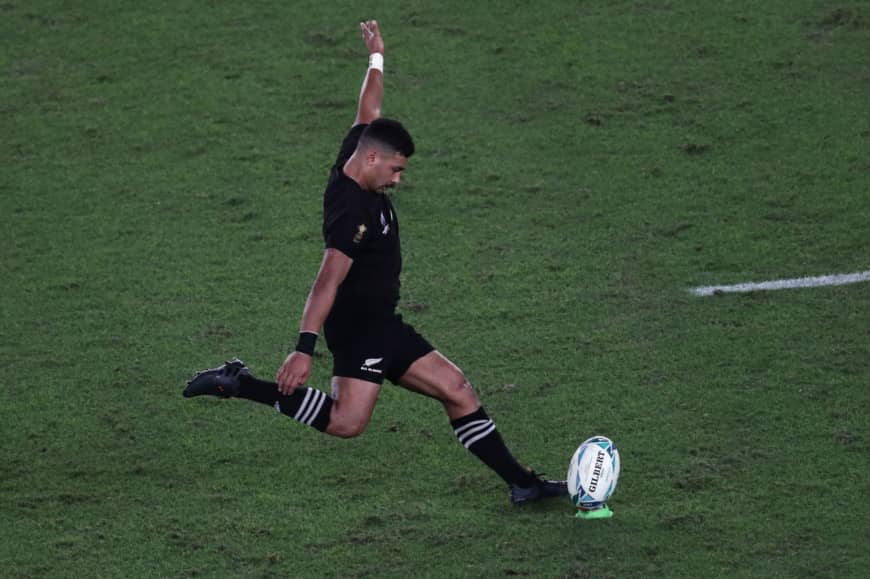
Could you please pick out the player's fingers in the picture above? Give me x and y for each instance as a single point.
(291, 385)
(285, 381)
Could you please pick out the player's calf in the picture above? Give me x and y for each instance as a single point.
(477, 432)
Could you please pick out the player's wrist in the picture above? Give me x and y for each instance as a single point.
(376, 61)
(305, 343)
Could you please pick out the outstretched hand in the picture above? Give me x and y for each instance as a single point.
(372, 36)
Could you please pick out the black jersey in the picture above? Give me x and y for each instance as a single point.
(362, 225)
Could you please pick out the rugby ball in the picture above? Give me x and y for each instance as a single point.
(593, 473)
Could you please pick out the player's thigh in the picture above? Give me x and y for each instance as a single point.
(353, 404)
(435, 376)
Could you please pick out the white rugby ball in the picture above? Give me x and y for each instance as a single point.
(593, 473)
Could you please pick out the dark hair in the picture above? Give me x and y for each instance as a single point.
(388, 133)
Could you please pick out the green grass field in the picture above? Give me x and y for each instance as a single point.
(580, 166)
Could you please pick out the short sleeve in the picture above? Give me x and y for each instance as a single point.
(347, 231)
(348, 146)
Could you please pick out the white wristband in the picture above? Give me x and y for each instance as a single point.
(376, 61)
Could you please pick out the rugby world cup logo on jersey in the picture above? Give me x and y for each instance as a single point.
(360, 231)
(384, 224)
(369, 363)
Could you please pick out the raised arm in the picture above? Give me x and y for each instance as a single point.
(372, 92)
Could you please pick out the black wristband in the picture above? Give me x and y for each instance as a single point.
(306, 342)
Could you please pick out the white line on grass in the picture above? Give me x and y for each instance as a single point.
(777, 284)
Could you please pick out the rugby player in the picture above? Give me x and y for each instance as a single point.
(354, 298)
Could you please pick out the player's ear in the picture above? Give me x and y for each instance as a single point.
(372, 156)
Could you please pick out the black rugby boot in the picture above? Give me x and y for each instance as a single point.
(222, 381)
(542, 489)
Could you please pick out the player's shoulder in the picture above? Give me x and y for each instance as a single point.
(342, 194)
(357, 129)
(355, 132)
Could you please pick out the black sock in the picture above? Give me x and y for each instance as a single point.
(258, 390)
(306, 405)
(478, 434)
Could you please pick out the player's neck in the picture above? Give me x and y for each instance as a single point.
(353, 170)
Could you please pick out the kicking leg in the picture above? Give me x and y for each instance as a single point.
(437, 377)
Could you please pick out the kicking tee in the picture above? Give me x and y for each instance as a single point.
(362, 225)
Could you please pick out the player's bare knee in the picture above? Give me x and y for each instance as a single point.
(345, 430)
(461, 392)
(350, 433)
(346, 427)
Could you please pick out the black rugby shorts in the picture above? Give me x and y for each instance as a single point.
(372, 349)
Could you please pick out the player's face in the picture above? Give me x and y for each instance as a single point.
(386, 171)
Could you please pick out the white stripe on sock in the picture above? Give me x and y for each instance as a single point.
(314, 414)
(473, 431)
(483, 434)
(472, 424)
(302, 406)
(309, 414)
